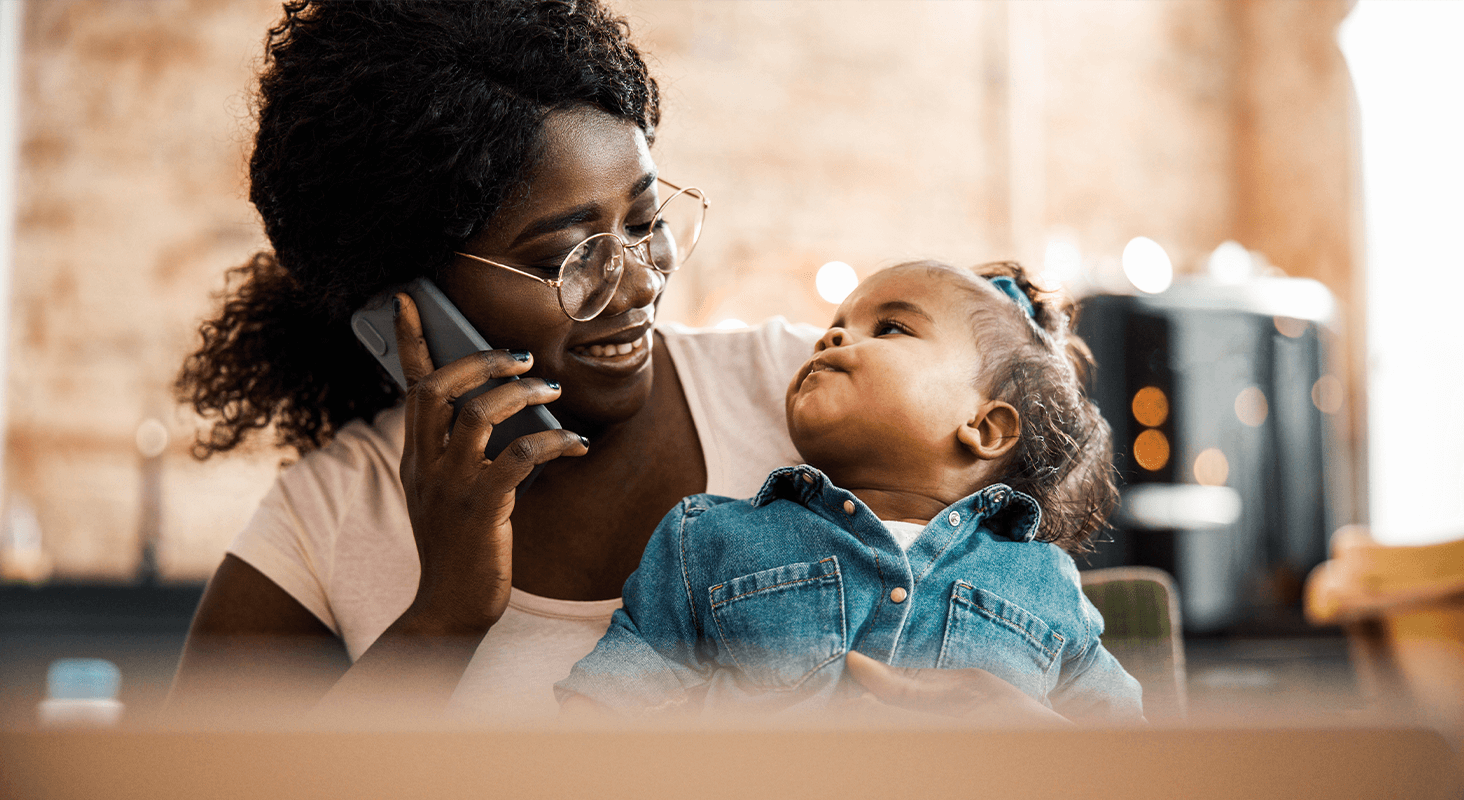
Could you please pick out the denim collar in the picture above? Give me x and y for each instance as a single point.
(1005, 511)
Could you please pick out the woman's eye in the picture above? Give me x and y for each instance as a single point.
(641, 230)
(550, 261)
(548, 266)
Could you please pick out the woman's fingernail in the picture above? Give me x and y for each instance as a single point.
(583, 440)
(396, 306)
(519, 355)
(552, 385)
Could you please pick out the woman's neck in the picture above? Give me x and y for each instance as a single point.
(579, 532)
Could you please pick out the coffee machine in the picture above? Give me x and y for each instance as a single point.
(1222, 408)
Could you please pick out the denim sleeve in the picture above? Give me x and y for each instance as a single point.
(1094, 686)
(648, 658)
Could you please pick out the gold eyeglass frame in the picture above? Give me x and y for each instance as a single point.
(640, 247)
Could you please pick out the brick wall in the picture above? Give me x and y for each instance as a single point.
(865, 132)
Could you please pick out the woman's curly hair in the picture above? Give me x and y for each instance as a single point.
(389, 132)
(1064, 458)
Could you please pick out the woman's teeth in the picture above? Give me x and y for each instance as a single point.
(608, 350)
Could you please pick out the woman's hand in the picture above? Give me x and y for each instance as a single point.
(459, 501)
(971, 694)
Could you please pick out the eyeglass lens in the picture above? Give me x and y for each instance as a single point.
(592, 270)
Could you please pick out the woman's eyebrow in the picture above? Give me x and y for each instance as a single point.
(642, 185)
(577, 215)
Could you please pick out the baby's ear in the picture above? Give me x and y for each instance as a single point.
(993, 431)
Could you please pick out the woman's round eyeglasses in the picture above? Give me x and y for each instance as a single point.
(591, 272)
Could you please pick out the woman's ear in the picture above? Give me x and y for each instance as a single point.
(993, 432)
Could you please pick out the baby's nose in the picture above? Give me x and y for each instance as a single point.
(833, 337)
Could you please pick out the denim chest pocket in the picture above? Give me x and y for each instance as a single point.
(986, 630)
(780, 625)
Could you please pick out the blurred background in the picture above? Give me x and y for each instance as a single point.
(1259, 200)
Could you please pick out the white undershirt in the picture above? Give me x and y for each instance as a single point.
(905, 533)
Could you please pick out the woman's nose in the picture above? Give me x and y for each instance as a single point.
(640, 285)
(833, 337)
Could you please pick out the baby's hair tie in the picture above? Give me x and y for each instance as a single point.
(1010, 288)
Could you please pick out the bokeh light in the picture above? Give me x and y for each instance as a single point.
(1147, 265)
(152, 438)
(1151, 450)
(1061, 262)
(835, 280)
(1326, 394)
(1211, 467)
(1151, 406)
(1230, 263)
(1251, 407)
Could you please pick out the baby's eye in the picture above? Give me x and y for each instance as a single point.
(886, 327)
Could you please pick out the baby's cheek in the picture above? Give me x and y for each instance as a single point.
(930, 414)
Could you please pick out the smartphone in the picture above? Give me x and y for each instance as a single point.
(449, 337)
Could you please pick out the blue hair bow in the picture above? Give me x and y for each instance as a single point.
(1010, 288)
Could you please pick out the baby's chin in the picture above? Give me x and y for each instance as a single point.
(830, 454)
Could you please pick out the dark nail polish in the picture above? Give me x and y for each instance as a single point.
(519, 355)
(396, 306)
(584, 441)
(552, 385)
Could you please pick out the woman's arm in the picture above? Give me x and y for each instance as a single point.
(254, 654)
(253, 649)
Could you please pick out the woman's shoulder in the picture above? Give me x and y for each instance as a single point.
(337, 518)
(777, 343)
(358, 452)
(734, 382)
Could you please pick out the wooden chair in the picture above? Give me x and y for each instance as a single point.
(1140, 609)
(1403, 610)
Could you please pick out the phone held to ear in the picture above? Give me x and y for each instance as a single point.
(449, 337)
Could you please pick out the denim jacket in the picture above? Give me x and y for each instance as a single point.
(757, 601)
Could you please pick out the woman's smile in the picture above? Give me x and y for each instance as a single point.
(615, 355)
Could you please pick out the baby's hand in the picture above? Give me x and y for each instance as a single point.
(577, 706)
(970, 694)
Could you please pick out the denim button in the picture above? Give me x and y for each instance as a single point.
(807, 478)
(954, 519)
(898, 594)
(849, 506)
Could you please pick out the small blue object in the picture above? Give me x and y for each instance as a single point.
(1010, 288)
(82, 679)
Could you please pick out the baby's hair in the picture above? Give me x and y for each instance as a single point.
(1064, 458)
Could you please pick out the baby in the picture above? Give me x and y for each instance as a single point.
(953, 464)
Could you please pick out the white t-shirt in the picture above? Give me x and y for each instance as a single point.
(333, 531)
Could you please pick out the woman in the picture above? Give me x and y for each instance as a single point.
(492, 147)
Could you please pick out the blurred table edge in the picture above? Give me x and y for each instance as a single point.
(1360, 762)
